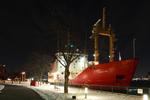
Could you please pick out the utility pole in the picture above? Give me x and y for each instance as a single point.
(134, 39)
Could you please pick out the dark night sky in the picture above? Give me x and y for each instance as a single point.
(24, 26)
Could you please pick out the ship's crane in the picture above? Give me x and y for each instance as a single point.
(101, 30)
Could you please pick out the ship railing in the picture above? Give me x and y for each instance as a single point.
(131, 90)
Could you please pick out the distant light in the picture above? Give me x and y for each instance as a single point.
(23, 73)
(145, 97)
(82, 61)
(86, 90)
(119, 56)
(91, 62)
(32, 78)
(77, 50)
(71, 45)
(8, 79)
(55, 75)
(140, 91)
(96, 62)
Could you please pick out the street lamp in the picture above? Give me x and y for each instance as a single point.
(145, 97)
(23, 76)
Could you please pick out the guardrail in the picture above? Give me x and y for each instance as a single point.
(119, 89)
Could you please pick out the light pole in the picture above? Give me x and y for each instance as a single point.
(86, 91)
(134, 39)
(23, 76)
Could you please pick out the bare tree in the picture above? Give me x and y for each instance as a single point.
(61, 23)
(65, 57)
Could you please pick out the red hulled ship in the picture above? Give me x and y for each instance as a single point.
(114, 73)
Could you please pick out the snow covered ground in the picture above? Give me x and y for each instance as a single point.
(53, 92)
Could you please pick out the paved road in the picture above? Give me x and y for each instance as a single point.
(18, 93)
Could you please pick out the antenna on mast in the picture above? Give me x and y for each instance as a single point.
(104, 18)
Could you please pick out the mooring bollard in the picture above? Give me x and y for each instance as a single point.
(73, 97)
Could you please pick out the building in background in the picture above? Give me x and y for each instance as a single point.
(2, 72)
(77, 66)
